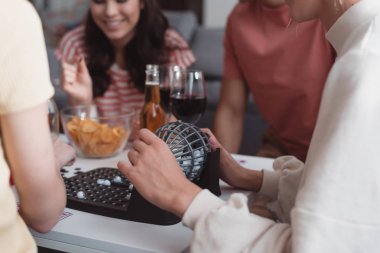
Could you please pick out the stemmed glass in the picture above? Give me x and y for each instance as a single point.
(169, 76)
(53, 118)
(188, 97)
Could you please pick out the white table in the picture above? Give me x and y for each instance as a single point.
(89, 233)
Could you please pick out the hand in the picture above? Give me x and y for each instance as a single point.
(229, 167)
(64, 153)
(258, 205)
(231, 171)
(155, 173)
(76, 81)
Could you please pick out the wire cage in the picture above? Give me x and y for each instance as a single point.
(189, 145)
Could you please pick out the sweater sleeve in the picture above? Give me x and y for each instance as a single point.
(25, 79)
(229, 227)
(281, 185)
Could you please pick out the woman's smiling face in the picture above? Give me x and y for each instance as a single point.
(117, 18)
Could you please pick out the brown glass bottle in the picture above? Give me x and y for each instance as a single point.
(152, 114)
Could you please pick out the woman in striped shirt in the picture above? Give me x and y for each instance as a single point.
(103, 61)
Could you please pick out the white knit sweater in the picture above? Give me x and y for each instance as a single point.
(337, 200)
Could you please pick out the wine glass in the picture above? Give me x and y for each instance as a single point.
(53, 119)
(169, 75)
(188, 97)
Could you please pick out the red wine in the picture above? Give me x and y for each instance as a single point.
(188, 108)
(165, 98)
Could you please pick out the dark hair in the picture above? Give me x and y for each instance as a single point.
(146, 47)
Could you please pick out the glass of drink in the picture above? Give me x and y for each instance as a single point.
(152, 114)
(53, 119)
(169, 76)
(188, 96)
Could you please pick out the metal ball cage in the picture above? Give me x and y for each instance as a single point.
(189, 145)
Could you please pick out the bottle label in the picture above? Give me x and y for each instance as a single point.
(152, 83)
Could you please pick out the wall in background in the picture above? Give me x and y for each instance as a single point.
(215, 12)
(59, 5)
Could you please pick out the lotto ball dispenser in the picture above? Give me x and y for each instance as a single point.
(189, 145)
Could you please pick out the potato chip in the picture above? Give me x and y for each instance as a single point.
(88, 126)
(96, 139)
(106, 135)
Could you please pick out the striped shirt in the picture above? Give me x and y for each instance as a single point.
(122, 95)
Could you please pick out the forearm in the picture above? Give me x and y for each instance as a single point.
(52, 197)
(42, 194)
(251, 179)
(42, 209)
(37, 178)
(238, 176)
(228, 128)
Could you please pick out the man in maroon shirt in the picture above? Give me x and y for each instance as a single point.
(283, 65)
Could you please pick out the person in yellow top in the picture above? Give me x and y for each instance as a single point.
(27, 151)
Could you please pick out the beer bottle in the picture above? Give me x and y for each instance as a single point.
(152, 114)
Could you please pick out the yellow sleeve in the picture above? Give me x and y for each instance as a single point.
(24, 72)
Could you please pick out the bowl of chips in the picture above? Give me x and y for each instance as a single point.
(94, 134)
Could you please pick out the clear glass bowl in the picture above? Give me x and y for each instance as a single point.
(94, 135)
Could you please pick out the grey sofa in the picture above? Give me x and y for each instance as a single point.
(207, 45)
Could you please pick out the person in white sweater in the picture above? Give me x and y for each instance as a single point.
(329, 204)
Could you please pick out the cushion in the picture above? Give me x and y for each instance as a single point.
(184, 22)
(207, 46)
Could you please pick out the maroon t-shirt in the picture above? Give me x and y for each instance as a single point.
(285, 65)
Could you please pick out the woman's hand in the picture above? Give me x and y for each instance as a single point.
(76, 82)
(155, 173)
(231, 171)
